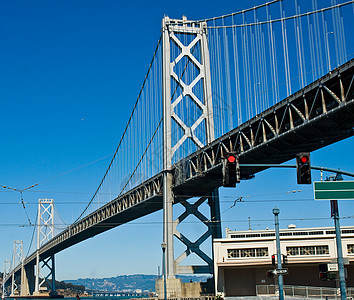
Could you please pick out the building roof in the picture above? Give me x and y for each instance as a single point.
(288, 232)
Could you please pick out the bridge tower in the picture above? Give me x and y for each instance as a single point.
(189, 40)
(17, 258)
(7, 269)
(45, 267)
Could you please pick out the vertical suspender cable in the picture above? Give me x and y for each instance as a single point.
(312, 49)
(285, 52)
(303, 58)
(317, 34)
(253, 100)
(237, 74)
(272, 54)
(227, 79)
(298, 48)
(336, 34)
(219, 89)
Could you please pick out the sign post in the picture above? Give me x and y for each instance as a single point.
(335, 215)
(338, 190)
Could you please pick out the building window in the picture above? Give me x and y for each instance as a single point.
(350, 249)
(307, 250)
(253, 252)
(292, 251)
(301, 233)
(267, 234)
(315, 232)
(237, 236)
(232, 253)
(322, 250)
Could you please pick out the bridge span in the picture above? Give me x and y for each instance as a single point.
(318, 115)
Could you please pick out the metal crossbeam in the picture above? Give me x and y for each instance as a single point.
(193, 247)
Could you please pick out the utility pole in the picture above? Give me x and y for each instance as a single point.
(277, 237)
(335, 215)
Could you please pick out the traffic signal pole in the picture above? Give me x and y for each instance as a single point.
(335, 215)
(351, 174)
(277, 237)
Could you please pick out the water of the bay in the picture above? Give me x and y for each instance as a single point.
(88, 298)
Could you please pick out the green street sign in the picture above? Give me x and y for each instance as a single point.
(333, 190)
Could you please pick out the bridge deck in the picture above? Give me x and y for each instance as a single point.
(318, 115)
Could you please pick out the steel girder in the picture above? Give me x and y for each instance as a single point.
(107, 216)
(318, 115)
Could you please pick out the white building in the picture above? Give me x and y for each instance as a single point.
(242, 259)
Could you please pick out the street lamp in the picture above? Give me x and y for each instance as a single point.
(163, 246)
(328, 56)
(276, 212)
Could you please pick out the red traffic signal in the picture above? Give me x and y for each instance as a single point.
(231, 158)
(323, 276)
(230, 170)
(303, 168)
(304, 159)
(273, 259)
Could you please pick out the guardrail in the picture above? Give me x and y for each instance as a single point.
(303, 291)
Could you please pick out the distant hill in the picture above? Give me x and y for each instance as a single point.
(128, 283)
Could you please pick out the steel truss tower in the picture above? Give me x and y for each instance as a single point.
(7, 269)
(17, 258)
(190, 40)
(45, 232)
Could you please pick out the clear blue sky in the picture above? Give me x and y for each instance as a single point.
(70, 72)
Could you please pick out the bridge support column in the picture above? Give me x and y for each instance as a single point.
(189, 39)
(27, 280)
(5, 279)
(17, 258)
(213, 231)
(167, 157)
(168, 225)
(45, 233)
(215, 215)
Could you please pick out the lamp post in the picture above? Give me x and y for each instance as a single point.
(277, 237)
(163, 246)
(328, 56)
(340, 262)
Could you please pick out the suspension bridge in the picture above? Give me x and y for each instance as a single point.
(266, 83)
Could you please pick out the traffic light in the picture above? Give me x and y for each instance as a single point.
(273, 259)
(323, 276)
(303, 168)
(332, 275)
(230, 170)
(285, 259)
